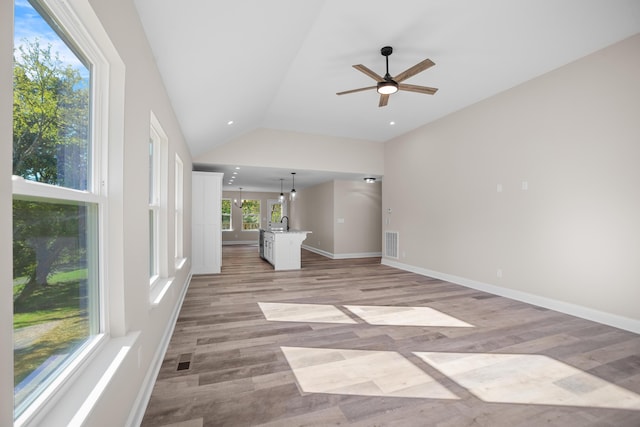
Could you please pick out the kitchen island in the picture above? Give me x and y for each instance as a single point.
(282, 248)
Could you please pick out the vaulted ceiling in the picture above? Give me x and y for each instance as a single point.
(278, 64)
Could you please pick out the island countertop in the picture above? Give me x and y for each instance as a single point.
(281, 248)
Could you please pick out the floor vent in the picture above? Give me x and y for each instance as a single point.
(184, 361)
(391, 244)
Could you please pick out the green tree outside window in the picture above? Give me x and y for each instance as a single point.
(251, 215)
(226, 214)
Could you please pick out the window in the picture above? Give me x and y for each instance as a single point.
(226, 215)
(56, 202)
(179, 209)
(157, 202)
(251, 215)
(276, 212)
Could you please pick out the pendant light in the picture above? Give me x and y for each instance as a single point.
(293, 187)
(235, 201)
(281, 193)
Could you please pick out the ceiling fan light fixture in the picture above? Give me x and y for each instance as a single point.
(387, 87)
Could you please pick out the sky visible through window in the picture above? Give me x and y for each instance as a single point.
(29, 26)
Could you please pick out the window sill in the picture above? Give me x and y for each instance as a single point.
(179, 263)
(159, 290)
(81, 384)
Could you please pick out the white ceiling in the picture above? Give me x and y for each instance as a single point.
(278, 64)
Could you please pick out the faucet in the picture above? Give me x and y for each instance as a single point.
(282, 219)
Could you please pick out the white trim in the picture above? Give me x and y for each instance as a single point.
(158, 199)
(626, 323)
(342, 256)
(144, 395)
(178, 207)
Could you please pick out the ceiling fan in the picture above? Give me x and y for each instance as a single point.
(388, 85)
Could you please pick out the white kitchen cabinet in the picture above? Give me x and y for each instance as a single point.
(268, 247)
(206, 222)
(282, 248)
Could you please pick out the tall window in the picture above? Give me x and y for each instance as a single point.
(56, 201)
(251, 215)
(157, 205)
(226, 215)
(276, 212)
(179, 209)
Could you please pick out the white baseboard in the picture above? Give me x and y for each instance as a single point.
(142, 400)
(342, 256)
(626, 323)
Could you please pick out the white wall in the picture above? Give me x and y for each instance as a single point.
(572, 137)
(299, 151)
(135, 321)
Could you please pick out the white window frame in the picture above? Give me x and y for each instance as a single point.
(158, 202)
(179, 212)
(107, 111)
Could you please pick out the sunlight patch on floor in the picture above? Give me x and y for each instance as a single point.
(373, 315)
(315, 313)
(361, 372)
(529, 379)
(405, 316)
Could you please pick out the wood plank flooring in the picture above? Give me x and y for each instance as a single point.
(343, 347)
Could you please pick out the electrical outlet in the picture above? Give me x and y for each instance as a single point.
(499, 273)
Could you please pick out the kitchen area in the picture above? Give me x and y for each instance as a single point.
(336, 219)
(281, 247)
(251, 218)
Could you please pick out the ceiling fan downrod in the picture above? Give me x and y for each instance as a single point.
(386, 51)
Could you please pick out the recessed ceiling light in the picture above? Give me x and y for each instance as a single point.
(237, 167)
(235, 173)
(230, 122)
(392, 123)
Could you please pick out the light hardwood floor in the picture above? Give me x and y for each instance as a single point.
(353, 342)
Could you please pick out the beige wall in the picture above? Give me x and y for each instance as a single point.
(6, 245)
(357, 217)
(237, 236)
(344, 217)
(299, 151)
(313, 210)
(572, 138)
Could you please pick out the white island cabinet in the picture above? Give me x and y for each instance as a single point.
(282, 248)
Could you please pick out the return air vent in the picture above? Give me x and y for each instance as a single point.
(391, 244)
(184, 362)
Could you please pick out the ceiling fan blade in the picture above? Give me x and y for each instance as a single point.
(420, 89)
(368, 72)
(383, 100)
(410, 72)
(356, 90)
